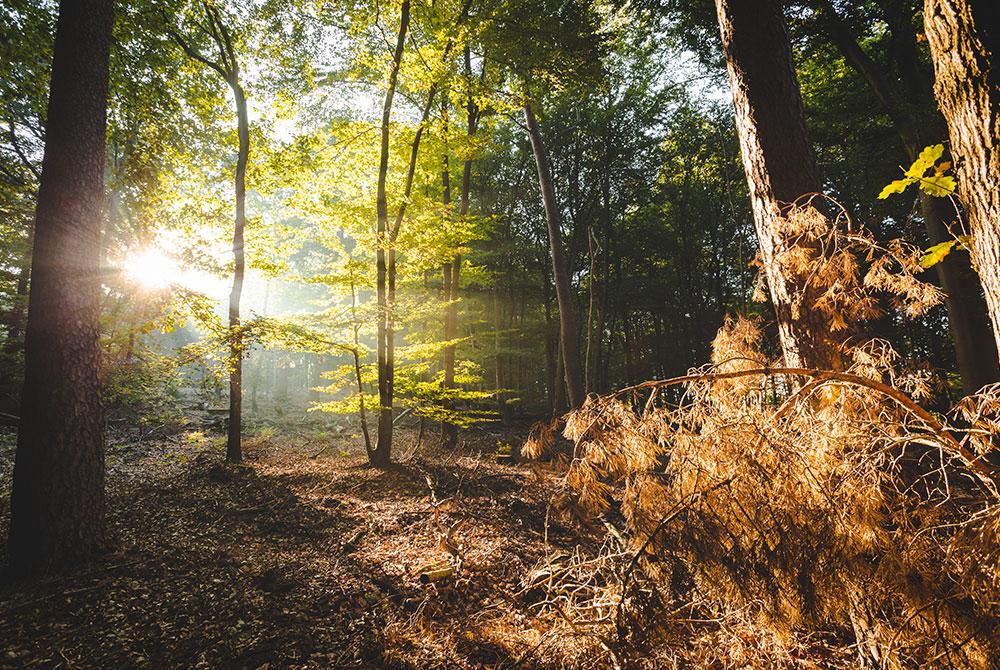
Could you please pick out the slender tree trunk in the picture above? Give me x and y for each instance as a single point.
(964, 39)
(591, 287)
(16, 319)
(234, 452)
(568, 334)
(259, 367)
(559, 388)
(227, 66)
(449, 432)
(356, 326)
(551, 343)
(777, 159)
(381, 455)
(58, 504)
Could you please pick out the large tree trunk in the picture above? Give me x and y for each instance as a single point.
(968, 320)
(568, 332)
(381, 455)
(233, 446)
(975, 350)
(778, 161)
(57, 504)
(964, 39)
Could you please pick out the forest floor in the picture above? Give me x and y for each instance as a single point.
(300, 557)
(303, 557)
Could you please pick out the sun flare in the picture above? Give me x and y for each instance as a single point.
(151, 269)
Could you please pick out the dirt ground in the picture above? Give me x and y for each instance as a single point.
(301, 558)
(304, 557)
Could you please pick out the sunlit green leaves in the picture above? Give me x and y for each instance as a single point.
(925, 161)
(897, 186)
(936, 254)
(927, 172)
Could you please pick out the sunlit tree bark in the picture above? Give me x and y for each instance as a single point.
(975, 349)
(964, 39)
(777, 158)
(58, 503)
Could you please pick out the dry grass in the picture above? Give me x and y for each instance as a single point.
(753, 508)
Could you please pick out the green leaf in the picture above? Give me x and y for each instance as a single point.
(898, 186)
(925, 161)
(936, 254)
(938, 185)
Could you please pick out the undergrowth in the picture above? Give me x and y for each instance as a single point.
(751, 508)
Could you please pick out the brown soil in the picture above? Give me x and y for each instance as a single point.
(297, 559)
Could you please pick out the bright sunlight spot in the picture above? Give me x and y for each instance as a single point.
(151, 269)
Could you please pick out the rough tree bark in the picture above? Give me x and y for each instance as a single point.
(568, 331)
(57, 504)
(964, 40)
(975, 350)
(777, 159)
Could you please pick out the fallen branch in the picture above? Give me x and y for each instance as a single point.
(821, 376)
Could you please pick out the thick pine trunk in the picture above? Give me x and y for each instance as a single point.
(234, 452)
(777, 159)
(57, 504)
(964, 40)
(568, 331)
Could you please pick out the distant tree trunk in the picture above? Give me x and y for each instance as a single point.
(57, 504)
(777, 159)
(233, 447)
(356, 327)
(551, 344)
(975, 349)
(568, 332)
(259, 367)
(16, 320)
(964, 39)
(449, 432)
(227, 66)
(381, 455)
